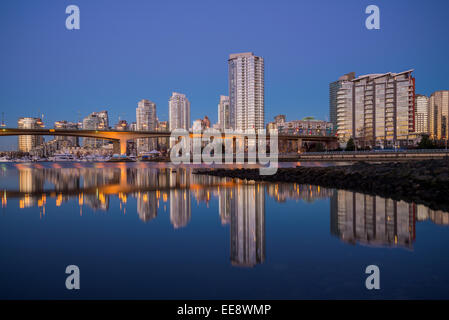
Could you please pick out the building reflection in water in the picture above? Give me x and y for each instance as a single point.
(367, 219)
(226, 204)
(147, 206)
(354, 217)
(180, 206)
(247, 212)
(436, 216)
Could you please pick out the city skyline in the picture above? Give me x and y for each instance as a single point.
(294, 83)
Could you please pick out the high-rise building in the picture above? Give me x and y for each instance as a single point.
(64, 124)
(439, 114)
(27, 143)
(133, 126)
(146, 121)
(95, 121)
(225, 116)
(121, 125)
(333, 90)
(246, 91)
(179, 111)
(421, 114)
(162, 142)
(377, 109)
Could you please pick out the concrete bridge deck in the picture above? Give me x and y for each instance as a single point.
(121, 137)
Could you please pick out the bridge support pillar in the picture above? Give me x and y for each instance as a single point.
(119, 146)
(299, 145)
(123, 146)
(116, 147)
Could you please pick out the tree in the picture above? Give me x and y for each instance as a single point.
(426, 143)
(319, 147)
(350, 145)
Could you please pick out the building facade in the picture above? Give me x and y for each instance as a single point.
(121, 125)
(334, 87)
(27, 143)
(146, 120)
(66, 125)
(95, 121)
(439, 114)
(306, 126)
(246, 91)
(377, 109)
(179, 111)
(225, 116)
(162, 142)
(422, 114)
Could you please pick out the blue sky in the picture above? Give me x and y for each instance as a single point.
(130, 50)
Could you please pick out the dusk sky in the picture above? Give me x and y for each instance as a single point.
(126, 51)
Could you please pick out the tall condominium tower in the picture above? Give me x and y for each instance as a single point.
(179, 111)
(439, 114)
(146, 120)
(26, 143)
(333, 90)
(377, 109)
(422, 114)
(95, 121)
(246, 90)
(225, 116)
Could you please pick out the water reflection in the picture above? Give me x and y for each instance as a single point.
(355, 218)
(361, 218)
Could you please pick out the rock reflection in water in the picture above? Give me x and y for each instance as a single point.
(355, 218)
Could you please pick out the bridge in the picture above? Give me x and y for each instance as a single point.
(120, 137)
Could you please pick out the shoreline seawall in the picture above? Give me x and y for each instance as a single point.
(424, 182)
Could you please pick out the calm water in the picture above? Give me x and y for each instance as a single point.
(147, 230)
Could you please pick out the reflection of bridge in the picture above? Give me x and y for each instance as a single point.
(120, 138)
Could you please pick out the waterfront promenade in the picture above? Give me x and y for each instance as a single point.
(377, 156)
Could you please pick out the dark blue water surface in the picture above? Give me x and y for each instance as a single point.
(148, 230)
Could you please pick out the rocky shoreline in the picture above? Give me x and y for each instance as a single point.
(425, 182)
